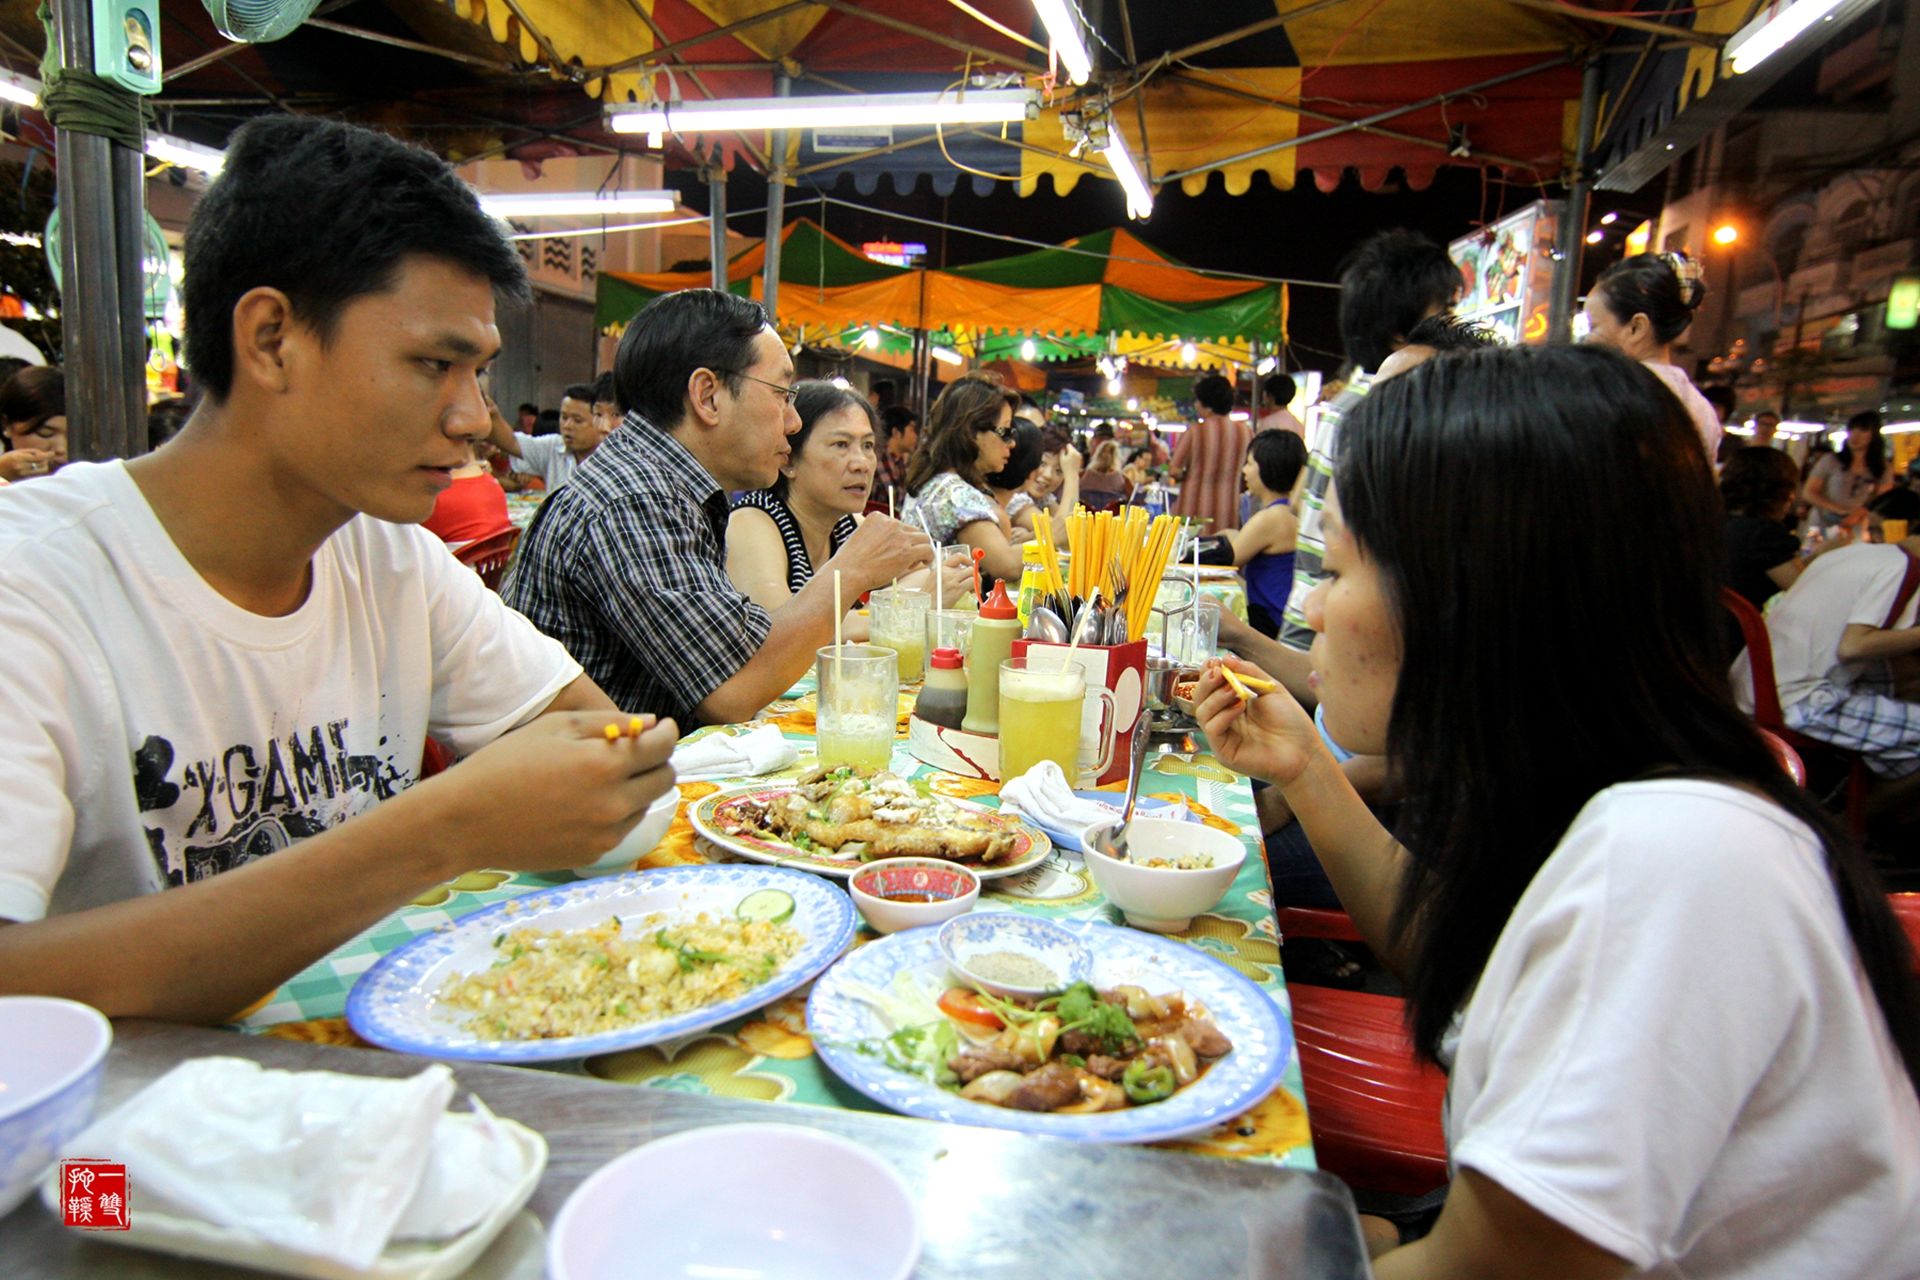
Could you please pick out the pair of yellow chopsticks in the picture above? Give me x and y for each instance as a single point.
(634, 728)
(1245, 687)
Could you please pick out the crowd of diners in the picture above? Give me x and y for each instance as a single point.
(1679, 1019)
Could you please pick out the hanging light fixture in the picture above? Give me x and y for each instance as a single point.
(1063, 33)
(743, 115)
(1120, 160)
(577, 204)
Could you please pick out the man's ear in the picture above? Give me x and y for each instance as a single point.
(703, 397)
(262, 329)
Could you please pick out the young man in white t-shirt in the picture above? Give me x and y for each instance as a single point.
(223, 659)
(1831, 637)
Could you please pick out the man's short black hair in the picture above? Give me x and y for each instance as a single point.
(884, 392)
(603, 389)
(581, 391)
(1214, 393)
(324, 212)
(1448, 334)
(671, 337)
(896, 418)
(1721, 398)
(527, 406)
(1279, 390)
(1386, 286)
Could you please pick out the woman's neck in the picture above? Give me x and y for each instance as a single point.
(1262, 496)
(816, 521)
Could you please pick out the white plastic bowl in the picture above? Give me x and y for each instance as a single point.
(1166, 899)
(52, 1055)
(638, 842)
(954, 888)
(745, 1200)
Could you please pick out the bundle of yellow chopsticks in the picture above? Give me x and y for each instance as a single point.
(1108, 552)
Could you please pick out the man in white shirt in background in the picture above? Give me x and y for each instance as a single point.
(554, 458)
(224, 659)
(1833, 632)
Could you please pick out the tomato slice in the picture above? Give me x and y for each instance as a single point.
(966, 1006)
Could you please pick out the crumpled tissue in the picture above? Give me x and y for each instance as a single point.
(723, 755)
(325, 1164)
(1044, 796)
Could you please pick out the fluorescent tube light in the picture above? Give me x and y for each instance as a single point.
(1139, 199)
(24, 90)
(1063, 32)
(188, 155)
(577, 204)
(948, 357)
(981, 106)
(1766, 36)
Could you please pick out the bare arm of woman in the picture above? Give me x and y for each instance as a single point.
(1814, 491)
(1272, 738)
(757, 558)
(1270, 532)
(1487, 1232)
(1003, 557)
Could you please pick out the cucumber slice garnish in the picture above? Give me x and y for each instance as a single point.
(775, 906)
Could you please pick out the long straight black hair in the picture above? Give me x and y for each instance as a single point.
(1548, 533)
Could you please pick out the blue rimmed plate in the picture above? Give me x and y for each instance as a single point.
(395, 1004)
(838, 1017)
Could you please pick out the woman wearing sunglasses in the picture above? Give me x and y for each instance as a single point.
(1677, 1012)
(969, 437)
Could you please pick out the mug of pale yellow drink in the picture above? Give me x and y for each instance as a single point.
(1040, 702)
(898, 621)
(1893, 530)
(859, 706)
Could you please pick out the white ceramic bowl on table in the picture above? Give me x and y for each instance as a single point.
(52, 1055)
(739, 1200)
(1166, 899)
(966, 942)
(638, 842)
(881, 890)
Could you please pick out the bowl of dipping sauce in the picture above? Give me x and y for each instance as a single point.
(905, 893)
(1009, 954)
(1174, 871)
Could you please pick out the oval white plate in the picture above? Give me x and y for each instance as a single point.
(395, 1004)
(1248, 1016)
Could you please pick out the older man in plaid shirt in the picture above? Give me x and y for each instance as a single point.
(626, 566)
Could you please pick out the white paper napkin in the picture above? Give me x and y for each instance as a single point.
(1043, 795)
(317, 1162)
(746, 755)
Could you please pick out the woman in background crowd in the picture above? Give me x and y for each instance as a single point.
(1640, 307)
(33, 413)
(1842, 484)
(1263, 547)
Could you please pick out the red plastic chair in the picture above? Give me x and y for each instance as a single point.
(1906, 909)
(1374, 1105)
(1767, 714)
(490, 556)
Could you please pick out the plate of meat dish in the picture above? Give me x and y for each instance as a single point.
(834, 821)
(1162, 1042)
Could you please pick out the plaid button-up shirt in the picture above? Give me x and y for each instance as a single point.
(627, 567)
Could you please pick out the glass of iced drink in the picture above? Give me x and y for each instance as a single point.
(1040, 704)
(898, 621)
(859, 706)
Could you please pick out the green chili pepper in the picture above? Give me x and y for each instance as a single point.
(1145, 1082)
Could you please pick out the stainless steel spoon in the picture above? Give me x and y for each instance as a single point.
(1111, 838)
(1044, 624)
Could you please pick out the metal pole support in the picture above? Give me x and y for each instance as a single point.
(717, 220)
(102, 239)
(1573, 217)
(776, 211)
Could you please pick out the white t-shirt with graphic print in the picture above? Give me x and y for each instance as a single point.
(153, 733)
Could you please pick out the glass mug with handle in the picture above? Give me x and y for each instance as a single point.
(1040, 704)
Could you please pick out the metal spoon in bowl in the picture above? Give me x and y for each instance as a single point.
(1044, 624)
(1111, 838)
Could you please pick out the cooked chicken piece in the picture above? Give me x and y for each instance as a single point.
(1206, 1039)
(1105, 1067)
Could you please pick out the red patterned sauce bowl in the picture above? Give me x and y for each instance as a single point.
(905, 893)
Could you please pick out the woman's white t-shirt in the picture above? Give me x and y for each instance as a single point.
(154, 733)
(1674, 1052)
(1705, 420)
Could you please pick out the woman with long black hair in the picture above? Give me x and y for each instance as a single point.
(1841, 484)
(1681, 1026)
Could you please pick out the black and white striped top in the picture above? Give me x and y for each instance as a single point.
(799, 564)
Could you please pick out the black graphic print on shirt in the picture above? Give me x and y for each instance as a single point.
(249, 800)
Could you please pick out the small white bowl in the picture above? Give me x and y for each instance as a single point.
(638, 842)
(1166, 899)
(739, 1200)
(875, 889)
(52, 1055)
(965, 939)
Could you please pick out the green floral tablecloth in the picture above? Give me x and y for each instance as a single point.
(768, 1055)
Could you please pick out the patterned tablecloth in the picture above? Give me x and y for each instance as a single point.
(522, 507)
(768, 1055)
